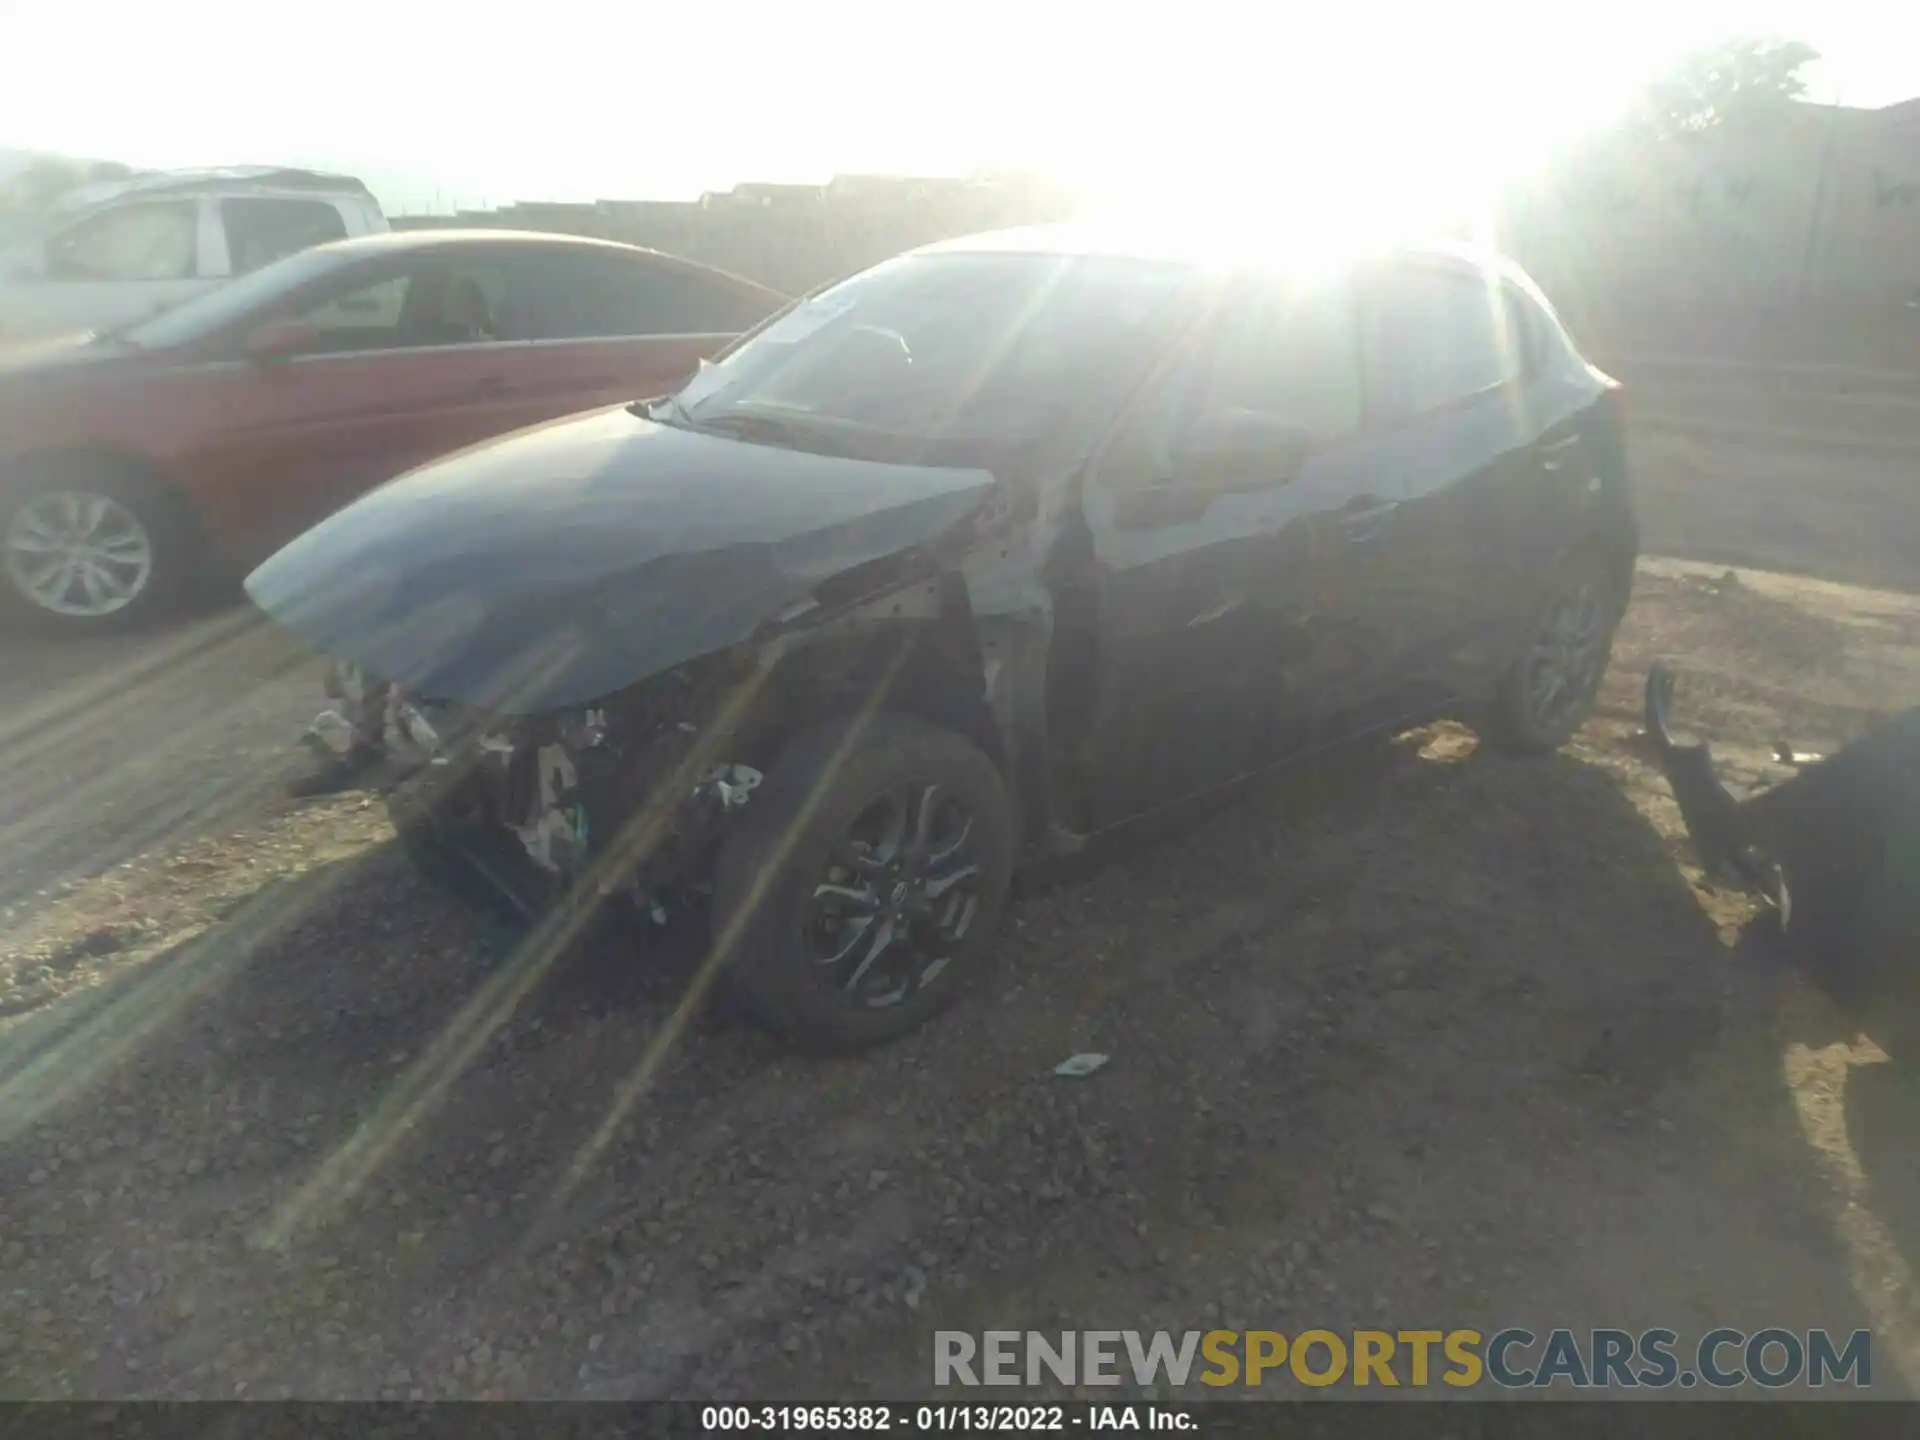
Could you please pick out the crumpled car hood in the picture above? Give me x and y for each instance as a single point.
(566, 562)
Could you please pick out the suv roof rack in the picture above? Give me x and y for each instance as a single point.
(231, 177)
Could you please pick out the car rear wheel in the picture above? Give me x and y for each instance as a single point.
(91, 546)
(1549, 691)
(859, 895)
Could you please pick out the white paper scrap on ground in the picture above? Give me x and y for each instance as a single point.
(1082, 1064)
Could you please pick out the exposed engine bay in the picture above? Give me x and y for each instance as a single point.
(621, 796)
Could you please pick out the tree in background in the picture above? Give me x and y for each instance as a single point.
(1731, 82)
(39, 183)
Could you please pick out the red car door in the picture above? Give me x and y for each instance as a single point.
(435, 351)
(382, 378)
(308, 435)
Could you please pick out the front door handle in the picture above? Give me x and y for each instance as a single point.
(1365, 517)
(492, 387)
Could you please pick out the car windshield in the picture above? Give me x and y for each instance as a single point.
(947, 346)
(217, 309)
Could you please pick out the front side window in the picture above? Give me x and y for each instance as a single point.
(1439, 335)
(230, 306)
(347, 306)
(1287, 351)
(1292, 353)
(260, 231)
(155, 240)
(957, 346)
(455, 301)
(366, 317)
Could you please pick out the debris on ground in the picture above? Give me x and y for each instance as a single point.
(1424, 1033)
(1075, 1066)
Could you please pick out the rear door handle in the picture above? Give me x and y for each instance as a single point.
(1365, 517)
(491, 387)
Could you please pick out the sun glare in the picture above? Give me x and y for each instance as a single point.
(1351, 155)
(1396, 111)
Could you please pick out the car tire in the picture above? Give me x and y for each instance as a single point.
(1571, 635)
(145, 529)
(859, 893)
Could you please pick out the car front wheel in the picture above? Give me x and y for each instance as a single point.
(860, 892)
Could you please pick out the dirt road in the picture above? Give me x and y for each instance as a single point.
(1425, 1038)
(1809, 470)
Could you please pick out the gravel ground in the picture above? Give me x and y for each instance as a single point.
(1423, 1035)
(1420, 1038)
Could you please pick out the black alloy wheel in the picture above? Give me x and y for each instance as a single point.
(896, 897)
(860, 888)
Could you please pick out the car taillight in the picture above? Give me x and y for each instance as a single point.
(1617, 402)
(1612, 401)
(1609, 435)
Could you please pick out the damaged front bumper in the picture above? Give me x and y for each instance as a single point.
(369, 716)
(525, 813)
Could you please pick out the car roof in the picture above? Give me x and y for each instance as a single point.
(436, 237)
(392, 242)
(1243, 250)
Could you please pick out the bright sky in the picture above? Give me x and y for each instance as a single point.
(576, 99)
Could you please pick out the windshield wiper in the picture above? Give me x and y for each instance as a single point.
(770, 429)
(734, 424)
(667, 410)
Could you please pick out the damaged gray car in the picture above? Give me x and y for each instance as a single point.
(958, 563)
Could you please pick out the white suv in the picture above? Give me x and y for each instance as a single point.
(111, 253)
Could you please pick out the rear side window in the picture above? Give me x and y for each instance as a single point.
(262, 231)
(155, 240)
(365, 317)
(591, 296)
(1438, 336)
(432, 302)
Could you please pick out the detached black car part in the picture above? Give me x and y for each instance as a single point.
(1834, 848)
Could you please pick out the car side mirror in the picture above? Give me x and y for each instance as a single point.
(279, 341)
(1235, 450)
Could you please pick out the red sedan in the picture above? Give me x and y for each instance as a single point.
(137, 461)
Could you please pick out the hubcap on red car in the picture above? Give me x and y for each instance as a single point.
(79, 554)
